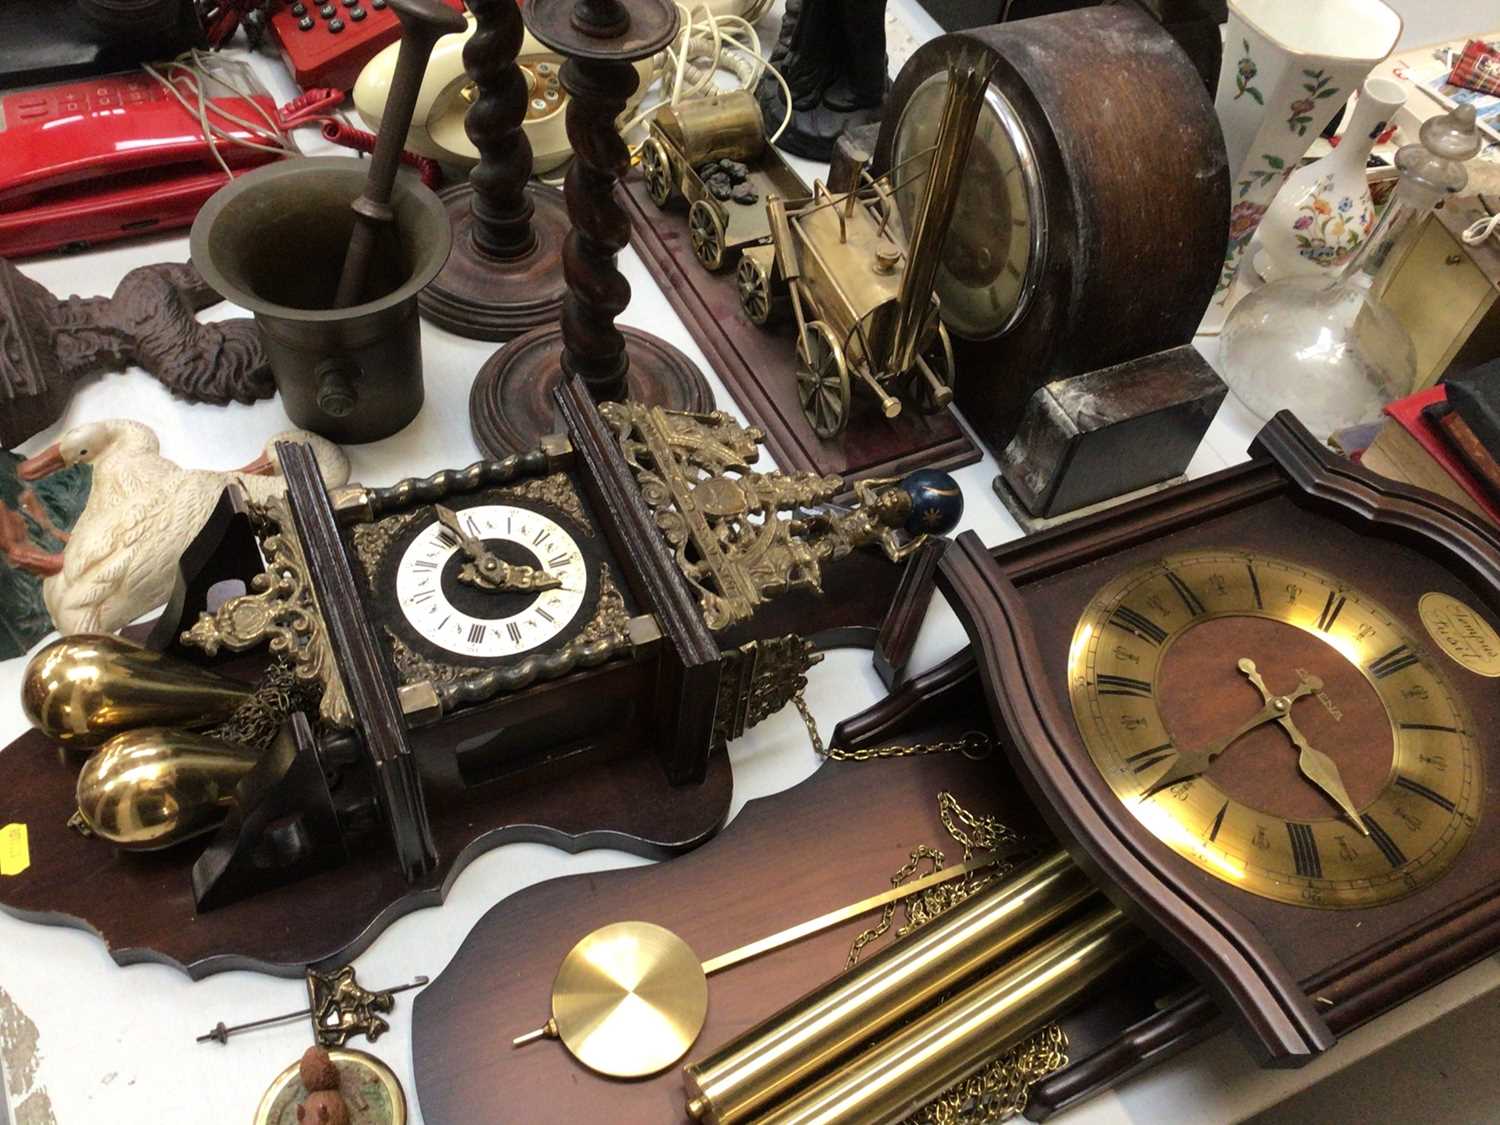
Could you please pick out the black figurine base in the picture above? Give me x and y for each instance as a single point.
(813, 131)
(511, 406)
(484, 298)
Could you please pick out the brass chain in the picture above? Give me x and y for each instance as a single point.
(258, 720)
(973, 745)
(1000, 1089)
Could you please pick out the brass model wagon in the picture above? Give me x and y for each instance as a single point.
(725, 131)
(860, 286)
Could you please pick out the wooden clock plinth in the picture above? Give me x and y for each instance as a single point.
(511, 398)
(512, 404)
(504, 276)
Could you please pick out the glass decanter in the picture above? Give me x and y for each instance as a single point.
(1329, 350)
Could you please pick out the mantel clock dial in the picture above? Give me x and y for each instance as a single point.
(1277, 727)
(993, 254)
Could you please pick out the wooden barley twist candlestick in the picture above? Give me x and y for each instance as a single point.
(504, 276)
(511, 404)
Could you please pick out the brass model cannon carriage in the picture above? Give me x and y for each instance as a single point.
(860, 285)
(686, 138)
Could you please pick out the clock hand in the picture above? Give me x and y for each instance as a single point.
(1191, 763)
(1315, 765)
(487, 570)
(1323, 772)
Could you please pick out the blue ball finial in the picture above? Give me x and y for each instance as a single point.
(937, 503)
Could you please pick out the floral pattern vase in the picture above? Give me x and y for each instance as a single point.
(1288, 66)
(1325, 212)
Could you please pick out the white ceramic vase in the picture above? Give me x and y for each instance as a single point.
(1288, 66)
(1325, 212)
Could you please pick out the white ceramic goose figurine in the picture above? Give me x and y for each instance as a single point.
(142, 512)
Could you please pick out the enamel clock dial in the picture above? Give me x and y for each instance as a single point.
(1278, 728)
(546, 586)
(990, 261)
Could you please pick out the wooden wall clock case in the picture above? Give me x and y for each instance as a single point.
(787, 854)
(1292, 977)
(606, 780)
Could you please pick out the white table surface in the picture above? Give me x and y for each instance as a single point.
(83, 1040)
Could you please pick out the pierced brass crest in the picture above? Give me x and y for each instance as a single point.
(740, 536)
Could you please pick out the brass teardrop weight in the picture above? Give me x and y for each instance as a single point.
(82, 690)
(152, 788)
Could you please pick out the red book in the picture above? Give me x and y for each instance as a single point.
(1407, 412)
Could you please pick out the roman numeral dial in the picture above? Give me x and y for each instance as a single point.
(1276, 727)
(469, 621)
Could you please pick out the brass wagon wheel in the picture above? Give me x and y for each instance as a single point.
(706, 230)
(822, 380)
(938, 359)
(656, 168)
(752, 279)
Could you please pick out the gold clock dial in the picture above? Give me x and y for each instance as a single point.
(1276, 727)
(991, 259)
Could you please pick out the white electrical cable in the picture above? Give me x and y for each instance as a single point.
(195, 73)
(705, 45)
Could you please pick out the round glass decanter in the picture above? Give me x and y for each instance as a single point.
(1329, 350)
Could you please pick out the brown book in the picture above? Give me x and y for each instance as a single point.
(1470, 450)
(1396, 454)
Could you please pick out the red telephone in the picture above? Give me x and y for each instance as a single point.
(105, 158)
(328, 42)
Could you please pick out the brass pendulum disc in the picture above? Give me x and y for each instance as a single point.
(629, 999)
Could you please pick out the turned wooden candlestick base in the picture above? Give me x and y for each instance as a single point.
(505, 274)
(511, 407)
(485, 298)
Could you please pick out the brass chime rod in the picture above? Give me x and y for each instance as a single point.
(221, 1034)
(825, 1029)
(890, 1079)
(812, 926)
(930, 225)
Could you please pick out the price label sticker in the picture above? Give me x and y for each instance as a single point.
(15, 849)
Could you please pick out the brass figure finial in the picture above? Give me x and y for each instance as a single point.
(742, 536)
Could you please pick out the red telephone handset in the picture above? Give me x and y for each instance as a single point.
(104, 158)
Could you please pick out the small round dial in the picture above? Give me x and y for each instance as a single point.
(993, 252)
(440, 601)
(1281, 730)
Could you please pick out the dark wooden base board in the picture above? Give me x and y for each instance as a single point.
(836, 838)
(483, 298)
(511, 405)
(141, 904)
(758, 365)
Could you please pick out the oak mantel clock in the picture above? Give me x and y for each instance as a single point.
(1083, 238)
(1263, 711)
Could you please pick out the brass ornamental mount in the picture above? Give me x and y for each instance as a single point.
(338, 1005)
(741, 536)
(281, 608)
